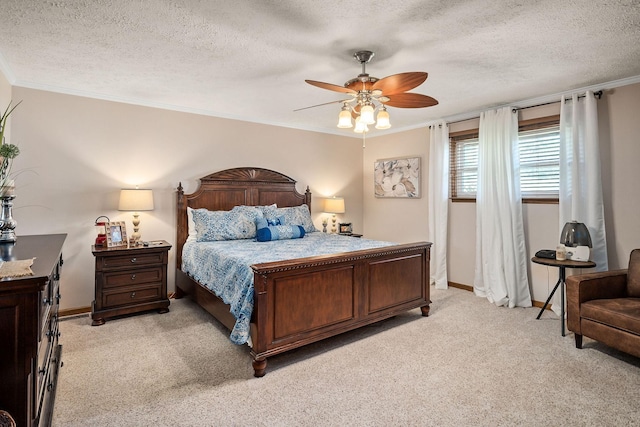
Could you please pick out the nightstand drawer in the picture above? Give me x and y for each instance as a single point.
(132, 295)
(133, 277)
(109, 262)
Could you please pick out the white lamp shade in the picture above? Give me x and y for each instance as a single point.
(366, 115)
(136, 200)
(360, 126)
(383, 120)
(334, 205)
(344, 119)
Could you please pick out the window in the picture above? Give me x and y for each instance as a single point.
(539, 145)
(463, 154)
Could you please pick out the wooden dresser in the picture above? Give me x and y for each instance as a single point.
(130, 280)
(29, 348)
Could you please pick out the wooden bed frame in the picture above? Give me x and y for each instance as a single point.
(301, 301)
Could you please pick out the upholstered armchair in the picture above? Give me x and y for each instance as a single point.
(605, 306)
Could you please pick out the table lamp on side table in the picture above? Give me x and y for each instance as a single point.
(136, 200)
(334, 205)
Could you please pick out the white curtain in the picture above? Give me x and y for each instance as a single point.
(501, 259)
(438, 202)
(580, 182)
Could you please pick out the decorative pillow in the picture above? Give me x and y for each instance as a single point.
(238, 223)
(268, 211)
(297, 215)
(266, 233)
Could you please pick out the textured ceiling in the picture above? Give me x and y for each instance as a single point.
(248, 59)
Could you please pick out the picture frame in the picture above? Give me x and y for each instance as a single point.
(117, 234)
(398, 178)
(345, 228)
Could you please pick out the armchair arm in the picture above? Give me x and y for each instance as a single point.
(590, 286)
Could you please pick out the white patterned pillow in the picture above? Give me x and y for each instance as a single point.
(238, 223)
(297, 215)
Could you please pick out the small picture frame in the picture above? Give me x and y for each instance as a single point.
(345, 228)
(116, 234)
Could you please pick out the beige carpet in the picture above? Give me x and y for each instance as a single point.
(468, 364)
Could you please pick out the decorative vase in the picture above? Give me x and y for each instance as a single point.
(6, 252)
(7, 223)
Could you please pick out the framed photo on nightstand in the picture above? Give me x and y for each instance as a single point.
(116, 234)
(345, 228)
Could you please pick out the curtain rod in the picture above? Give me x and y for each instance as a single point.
(597, 94)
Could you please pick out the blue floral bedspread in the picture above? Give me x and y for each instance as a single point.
(225, 266)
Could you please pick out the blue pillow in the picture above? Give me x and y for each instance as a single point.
(267, 233)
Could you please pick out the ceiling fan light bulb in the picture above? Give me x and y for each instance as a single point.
(383, 120)
(366, 114)
(344, 120)
(360, 127)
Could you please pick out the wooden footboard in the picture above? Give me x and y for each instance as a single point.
(301, 301)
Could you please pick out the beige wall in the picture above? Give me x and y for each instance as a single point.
(406, 220)
(76, 153)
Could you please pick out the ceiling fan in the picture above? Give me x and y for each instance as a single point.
(368, 93)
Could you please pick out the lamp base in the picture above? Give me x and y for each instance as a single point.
(579, 253)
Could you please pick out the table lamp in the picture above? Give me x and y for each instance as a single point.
(575, 236)
(334, 205)
(136, 200)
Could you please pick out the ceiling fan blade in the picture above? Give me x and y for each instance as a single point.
(399, 83)
(410, 100)
(330, 86)
(326, 103)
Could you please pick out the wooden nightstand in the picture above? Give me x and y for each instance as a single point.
(130, 280)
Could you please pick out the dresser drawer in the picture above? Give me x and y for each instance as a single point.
(45, 308)
(133, 295)
(133, 277)
(44, 356)
(124, 261)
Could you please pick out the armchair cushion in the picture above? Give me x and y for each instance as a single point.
(622, 312)
(633, 275)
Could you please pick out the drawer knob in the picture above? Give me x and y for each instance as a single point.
(133, 294)
(46, 300)
(133, 260)
(133, 277)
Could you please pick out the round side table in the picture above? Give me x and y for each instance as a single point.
(562, 265)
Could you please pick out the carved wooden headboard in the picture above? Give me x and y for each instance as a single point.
(223, 190)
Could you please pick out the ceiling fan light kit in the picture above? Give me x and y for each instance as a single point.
(369, 94)
(344, 118)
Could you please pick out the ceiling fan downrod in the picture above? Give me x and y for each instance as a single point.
(363, 56)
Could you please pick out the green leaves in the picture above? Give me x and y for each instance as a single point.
(3, 122)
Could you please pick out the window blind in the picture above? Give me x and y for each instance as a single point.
(539, 146)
